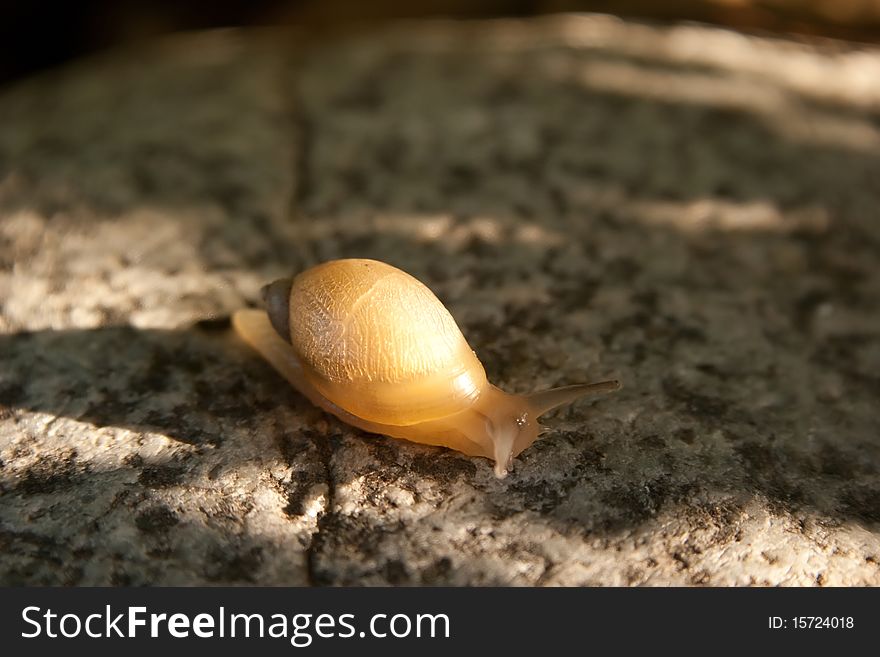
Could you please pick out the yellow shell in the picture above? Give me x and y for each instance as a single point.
(372, 345)
(377, 342)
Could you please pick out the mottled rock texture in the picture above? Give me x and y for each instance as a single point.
(691, 210)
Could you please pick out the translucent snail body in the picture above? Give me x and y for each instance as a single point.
(372, 345)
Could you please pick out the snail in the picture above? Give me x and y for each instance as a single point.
(372, 345)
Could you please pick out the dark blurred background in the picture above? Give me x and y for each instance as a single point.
(37, 34)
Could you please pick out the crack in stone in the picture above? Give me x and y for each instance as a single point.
(325, 452)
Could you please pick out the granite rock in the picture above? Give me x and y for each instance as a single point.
(689, 209)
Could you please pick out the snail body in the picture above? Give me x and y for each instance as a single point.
(372, 345)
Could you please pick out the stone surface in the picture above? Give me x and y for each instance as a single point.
(689, 209)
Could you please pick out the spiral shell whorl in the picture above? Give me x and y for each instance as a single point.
(359, 321)
(377, 342)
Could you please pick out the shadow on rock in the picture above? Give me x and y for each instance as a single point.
(184, 384)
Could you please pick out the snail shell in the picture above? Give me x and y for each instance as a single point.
(372, 345)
